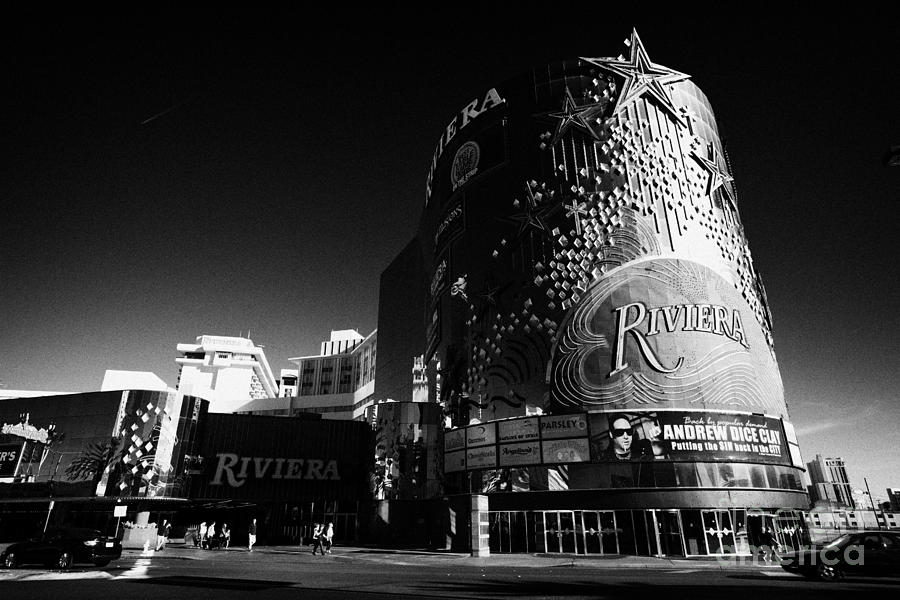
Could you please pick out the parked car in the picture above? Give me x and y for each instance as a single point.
(875, 553)
(61, 548)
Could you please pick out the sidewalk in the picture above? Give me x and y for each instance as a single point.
(536, 560)
(178, 551)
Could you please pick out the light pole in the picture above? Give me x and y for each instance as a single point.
(872, 502)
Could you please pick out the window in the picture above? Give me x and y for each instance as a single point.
(686, 475)
(758, 477)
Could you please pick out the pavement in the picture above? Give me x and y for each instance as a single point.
(437, 557)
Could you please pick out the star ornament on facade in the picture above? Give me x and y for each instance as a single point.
(572, 115)
(717, 177)
(531, 216)
(642, 77)
(576, 209)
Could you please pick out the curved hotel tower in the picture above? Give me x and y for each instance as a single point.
(601, 338)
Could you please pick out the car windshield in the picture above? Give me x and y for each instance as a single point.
(838, 541)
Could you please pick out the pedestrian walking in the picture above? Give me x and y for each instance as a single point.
(317, 538)
(202, 534)
(226, 535)
(211, 541)
(162, 535)
(768, 545)
(327, 535)
(252, 535)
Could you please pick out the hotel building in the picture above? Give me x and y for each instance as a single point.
(830, 485)
(597, 333)
(227, 371)
(337, 384)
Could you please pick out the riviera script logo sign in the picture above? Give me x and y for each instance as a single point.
(237, 469)
(707, 318)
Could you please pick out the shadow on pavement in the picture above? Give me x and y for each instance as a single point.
(402, 552)
(631, 590)
(892, 581)
(248, 585)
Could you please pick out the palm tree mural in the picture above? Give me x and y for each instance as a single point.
(94, 460)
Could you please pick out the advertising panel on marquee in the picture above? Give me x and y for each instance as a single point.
(481, 435)
(525, 453)
(564, 426)
(455, 461)
(517, 430)
(691, 436)
(566, 451)
(479, 458)
(454, 440)
(9, 458)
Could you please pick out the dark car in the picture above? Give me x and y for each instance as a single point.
(62, 548)
(875, 553)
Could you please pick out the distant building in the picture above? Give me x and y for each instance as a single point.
(227, 371)
(403, 375)
(893, 495)
(338, 383)
(340, 342)
(830, 485)
(287, 385)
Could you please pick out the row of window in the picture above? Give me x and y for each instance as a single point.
(632, 475)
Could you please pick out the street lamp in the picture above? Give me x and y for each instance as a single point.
(871, 501)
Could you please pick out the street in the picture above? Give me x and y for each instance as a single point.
(360, 573)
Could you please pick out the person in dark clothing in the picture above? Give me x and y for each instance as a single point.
(252, 535)
(162, 535)
(317, 538)
(769, 546)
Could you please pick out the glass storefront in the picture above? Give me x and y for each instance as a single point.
(650, 532)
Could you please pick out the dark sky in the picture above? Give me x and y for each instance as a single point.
(177, 175)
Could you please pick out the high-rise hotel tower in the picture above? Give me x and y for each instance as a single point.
(600, 338)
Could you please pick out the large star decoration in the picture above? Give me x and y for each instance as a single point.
(490, 299)
(642, 77)
(531, 216)
(572, 114)
(717, 177)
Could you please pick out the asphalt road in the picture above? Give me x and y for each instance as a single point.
(371, 574)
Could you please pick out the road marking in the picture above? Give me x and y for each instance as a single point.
(60, 576)
(687, 571)
(138, 571)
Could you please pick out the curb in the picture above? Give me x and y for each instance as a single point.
(425, 557)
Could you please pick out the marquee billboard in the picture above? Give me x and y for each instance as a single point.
(688, 436)
(620, 436)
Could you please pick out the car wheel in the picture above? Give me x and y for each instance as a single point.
(11, 561)
(65, 560)
(101, 563)
(828, 573)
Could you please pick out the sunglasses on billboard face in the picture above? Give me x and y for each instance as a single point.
(621, 432)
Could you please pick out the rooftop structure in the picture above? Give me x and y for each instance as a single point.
(227, 371)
